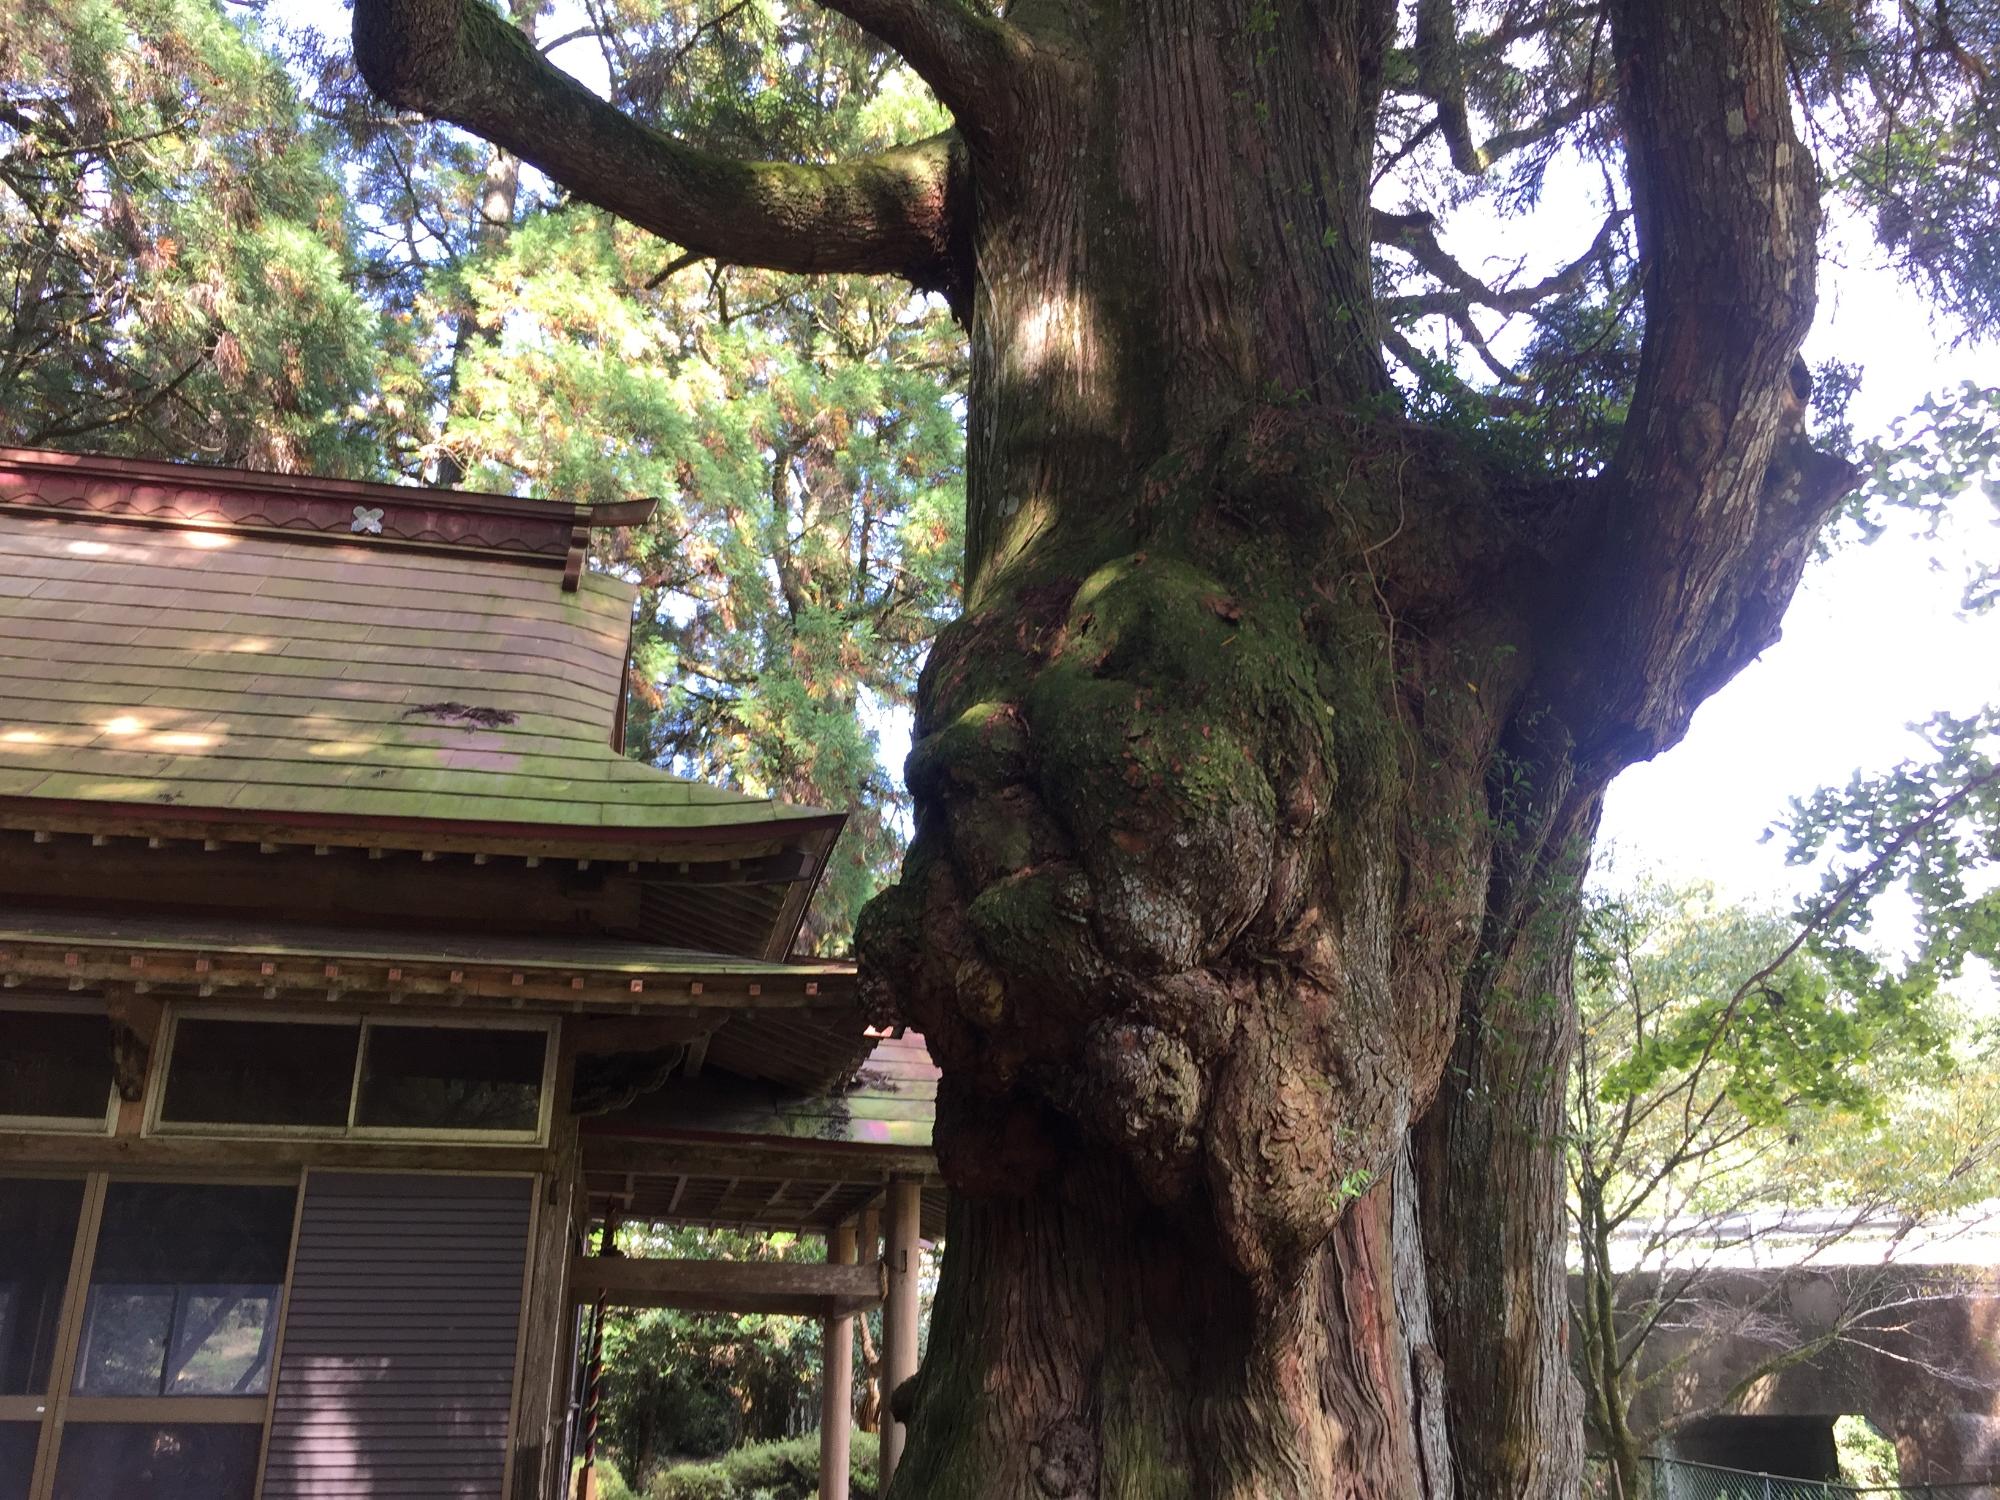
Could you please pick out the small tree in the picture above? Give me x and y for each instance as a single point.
(1710, 1114)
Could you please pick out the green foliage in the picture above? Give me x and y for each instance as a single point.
(804, 434)
(1696, 1052)
(1906, 132)
(1734, 1068)
(1925, 468)
(1769, 1045)
(611, 1483)
(681, 1384)
(811, 549)
(1659, 1012)
(1927, 829)
(178, 259)
(1729, 1027)
(787, 1470)
(1723, 1064)
(1866, 1457)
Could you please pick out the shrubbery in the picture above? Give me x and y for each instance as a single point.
(611, 1484)
(787, 1470)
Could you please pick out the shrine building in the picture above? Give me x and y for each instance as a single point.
(353, 976)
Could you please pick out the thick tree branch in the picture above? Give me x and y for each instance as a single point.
(970, 60)
(458, 60)
(1713, 497)
(1441, 76)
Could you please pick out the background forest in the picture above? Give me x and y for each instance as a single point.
(217, 246)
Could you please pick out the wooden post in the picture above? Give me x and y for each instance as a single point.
(592, 1414)
(545, 1355)
(869, 1418)
(836, 1379)
(899, 1314)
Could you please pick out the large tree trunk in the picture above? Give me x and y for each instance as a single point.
(1204, 837)
(1085, 1343)
(1254, 788)
(1256, 784)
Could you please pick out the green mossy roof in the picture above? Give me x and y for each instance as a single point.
(256, 674)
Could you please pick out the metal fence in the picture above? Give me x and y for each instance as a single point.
(1680, 1479)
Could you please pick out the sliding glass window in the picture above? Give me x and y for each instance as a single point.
(169, 1387)
(184, 1290)
(482, 1081)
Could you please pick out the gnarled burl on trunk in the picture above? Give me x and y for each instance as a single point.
(1254, 785)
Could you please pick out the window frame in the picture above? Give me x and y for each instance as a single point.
(65, 1406)
(32, 1408)
(352, 1130)
(156, 1086)
(85, 1005)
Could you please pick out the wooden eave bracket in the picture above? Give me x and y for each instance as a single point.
(748, 853)
(77, 965)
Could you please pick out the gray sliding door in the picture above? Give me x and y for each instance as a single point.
(397, 1371)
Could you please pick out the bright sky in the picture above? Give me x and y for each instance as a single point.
(1873, 643)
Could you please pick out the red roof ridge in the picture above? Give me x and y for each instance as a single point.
(149, 492)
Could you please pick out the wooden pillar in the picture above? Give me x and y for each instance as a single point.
(591, 1417)
(899, 1314)
(869, 1418)
(542, 1381)
(836, 1381)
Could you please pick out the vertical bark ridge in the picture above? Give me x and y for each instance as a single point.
(1429, 1416)
(1313, 81)
(1184, 229)
(1153, 1372)
(1490, 1149)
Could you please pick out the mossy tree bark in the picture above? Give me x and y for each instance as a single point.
(1254, 787)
